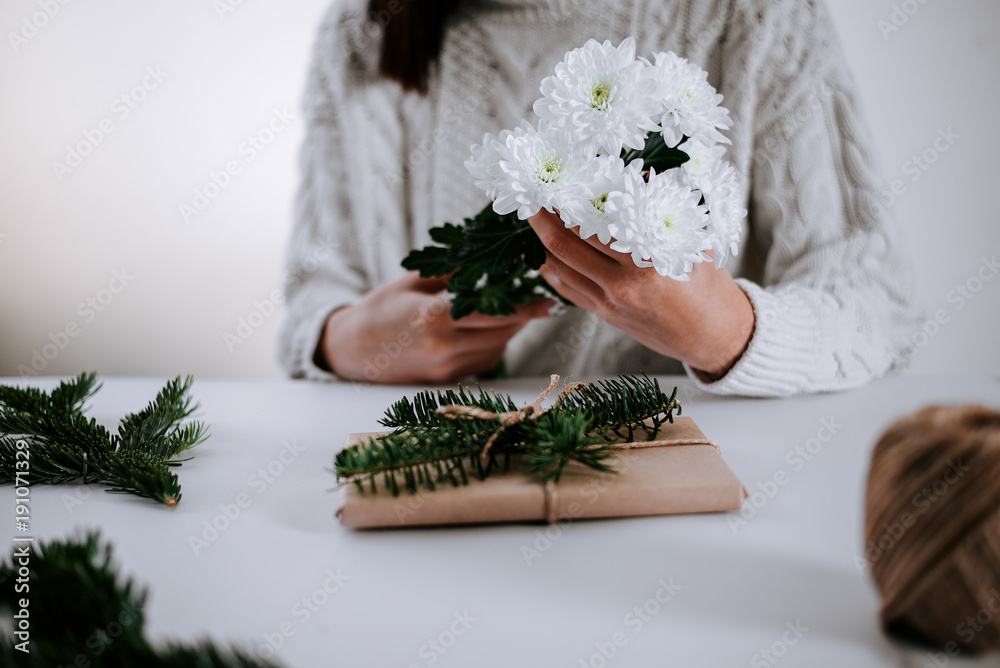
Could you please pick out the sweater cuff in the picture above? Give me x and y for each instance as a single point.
(781, 354)
(303, 342)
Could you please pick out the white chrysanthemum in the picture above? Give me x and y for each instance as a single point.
(482, 164)
(659, 222)
(690, 104)
(702, 158)
(589, 215)
(721, 190)
(541, 170)
(602, 96)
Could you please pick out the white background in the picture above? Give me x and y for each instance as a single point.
(61, 241)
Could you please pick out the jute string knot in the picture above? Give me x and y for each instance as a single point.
(531, 412)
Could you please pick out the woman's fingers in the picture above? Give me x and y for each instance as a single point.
(465, 340)
(572, 285)
(479, 361)
(620, 258)
(538, 308)
(567, 245)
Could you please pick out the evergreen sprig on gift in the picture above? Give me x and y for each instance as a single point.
(82, 612)
(65, 446)
(443, 437)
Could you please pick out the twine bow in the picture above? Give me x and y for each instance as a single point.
(531, 412)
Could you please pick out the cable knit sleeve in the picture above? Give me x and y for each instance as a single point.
(325, 267)
(836, 290)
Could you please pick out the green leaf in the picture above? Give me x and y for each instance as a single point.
(493, 242)
(431, 261)
(448, 234)
(534, 252)
(669, 158)
(656, 154)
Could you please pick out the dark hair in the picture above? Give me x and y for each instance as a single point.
(412, 33)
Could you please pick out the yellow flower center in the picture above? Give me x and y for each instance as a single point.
(600, 95)
(600, 202)
(549, 170)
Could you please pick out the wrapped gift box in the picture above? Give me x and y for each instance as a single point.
(681, 471)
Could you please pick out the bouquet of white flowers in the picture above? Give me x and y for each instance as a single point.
(626, 149)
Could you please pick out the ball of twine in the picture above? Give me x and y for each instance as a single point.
(932, 527)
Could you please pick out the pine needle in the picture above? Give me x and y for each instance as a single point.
(428, 449)
(84, 613)
(67, 447)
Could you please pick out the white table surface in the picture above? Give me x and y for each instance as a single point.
(738, 587)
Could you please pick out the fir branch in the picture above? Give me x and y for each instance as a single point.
(558, 437)
(429, 449)
(135, 473)
(81, 606)
(68, 397)
(422, 457)
(625, 403)
(422, 411)
(145, 429)
(67, 447)
(71, 395)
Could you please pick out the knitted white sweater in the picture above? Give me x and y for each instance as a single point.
(821, 262)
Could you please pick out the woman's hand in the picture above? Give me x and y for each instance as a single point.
(404, 333)
(706, 322)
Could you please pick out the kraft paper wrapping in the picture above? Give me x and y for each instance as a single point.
(680, 472)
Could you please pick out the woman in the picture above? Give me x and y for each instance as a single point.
(821, 294)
